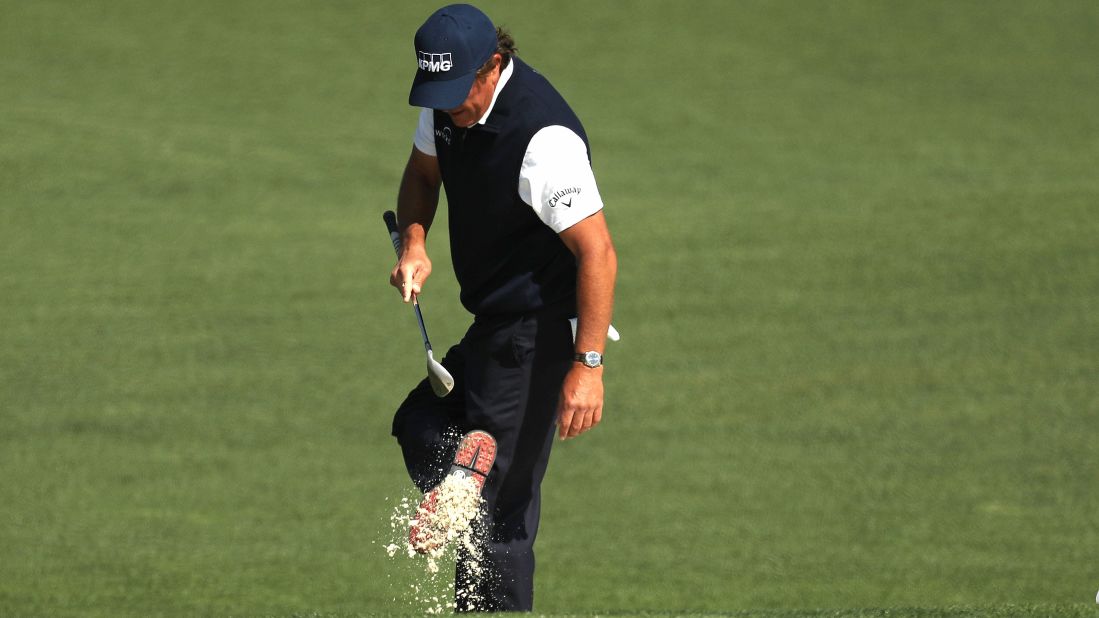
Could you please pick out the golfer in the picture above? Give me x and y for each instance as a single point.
(531, 250)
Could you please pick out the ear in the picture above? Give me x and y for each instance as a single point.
(497, 62)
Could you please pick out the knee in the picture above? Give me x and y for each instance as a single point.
(427, 453)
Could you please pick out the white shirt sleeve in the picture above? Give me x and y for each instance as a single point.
(556, 179)
(424, 138)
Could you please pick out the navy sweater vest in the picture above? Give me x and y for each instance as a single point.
(507, 261)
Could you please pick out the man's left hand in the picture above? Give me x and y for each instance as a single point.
(580, 406)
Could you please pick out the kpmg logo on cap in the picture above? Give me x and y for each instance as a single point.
(435, 63)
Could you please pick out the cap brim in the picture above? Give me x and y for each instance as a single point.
(440, 94)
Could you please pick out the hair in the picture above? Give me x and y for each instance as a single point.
(505, 46)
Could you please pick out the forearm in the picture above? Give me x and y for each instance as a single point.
(581, 405)
(417, 201)
(597, 269)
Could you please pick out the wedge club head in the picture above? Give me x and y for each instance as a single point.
(441, 380)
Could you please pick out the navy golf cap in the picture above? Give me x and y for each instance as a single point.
(451, 45)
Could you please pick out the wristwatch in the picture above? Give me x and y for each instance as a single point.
(591, 359)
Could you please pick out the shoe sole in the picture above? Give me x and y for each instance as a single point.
(474, 459)
(475, 456)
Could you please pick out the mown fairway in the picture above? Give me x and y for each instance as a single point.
(859, 299)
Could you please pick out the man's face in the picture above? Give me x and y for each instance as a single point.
(480, 96)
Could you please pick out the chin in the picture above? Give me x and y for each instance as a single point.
(462, 119)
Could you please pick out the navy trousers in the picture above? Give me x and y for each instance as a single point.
(507, 378)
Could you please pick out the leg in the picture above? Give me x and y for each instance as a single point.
(513, 395)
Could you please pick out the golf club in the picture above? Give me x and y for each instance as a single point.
(441, 380)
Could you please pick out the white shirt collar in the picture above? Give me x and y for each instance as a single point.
(505, 75)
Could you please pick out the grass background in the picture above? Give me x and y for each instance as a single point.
(859, 295)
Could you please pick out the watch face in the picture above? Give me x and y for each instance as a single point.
(592, 359)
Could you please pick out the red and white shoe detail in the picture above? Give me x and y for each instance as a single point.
(476, 453)
(474, 459)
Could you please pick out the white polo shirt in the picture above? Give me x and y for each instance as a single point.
(555, 179)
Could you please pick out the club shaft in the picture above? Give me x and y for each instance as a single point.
(420, 321)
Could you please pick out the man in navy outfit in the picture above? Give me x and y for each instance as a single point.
(530, 249)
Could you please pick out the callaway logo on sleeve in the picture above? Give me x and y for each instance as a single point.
(556, 179)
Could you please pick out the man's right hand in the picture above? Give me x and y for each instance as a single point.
(411, 271)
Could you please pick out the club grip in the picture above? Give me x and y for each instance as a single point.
(390, 219)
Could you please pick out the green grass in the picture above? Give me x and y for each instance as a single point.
(859, 298)
(994, 611)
